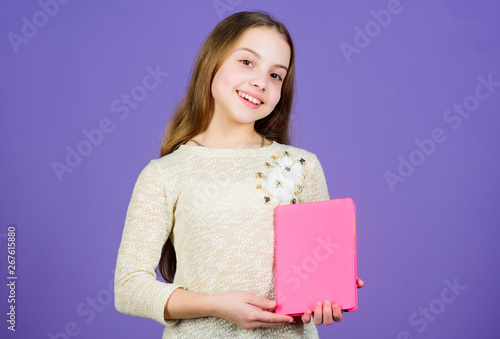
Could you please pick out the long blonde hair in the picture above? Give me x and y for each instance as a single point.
(194, 113)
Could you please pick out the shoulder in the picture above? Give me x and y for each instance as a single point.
(162, 176)
(171, 162)
(166, 167)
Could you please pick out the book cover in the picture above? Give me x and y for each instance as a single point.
(315, 255)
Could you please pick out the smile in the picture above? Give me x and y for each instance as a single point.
(249, 98)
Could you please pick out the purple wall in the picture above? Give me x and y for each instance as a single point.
(398, 110)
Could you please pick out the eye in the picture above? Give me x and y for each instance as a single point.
(245, 62)
(278, 77)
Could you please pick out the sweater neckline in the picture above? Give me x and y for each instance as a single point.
(209, 151)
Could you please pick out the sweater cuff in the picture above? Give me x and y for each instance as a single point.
(162, 301)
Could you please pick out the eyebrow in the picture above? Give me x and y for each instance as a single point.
(258, 56)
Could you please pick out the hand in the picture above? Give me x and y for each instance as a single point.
(328, 313)
(245, 310)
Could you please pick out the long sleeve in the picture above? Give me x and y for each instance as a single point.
(316, 188)
(147, 226)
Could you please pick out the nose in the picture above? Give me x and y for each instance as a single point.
(259, 80)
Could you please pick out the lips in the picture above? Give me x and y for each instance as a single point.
(250, 97)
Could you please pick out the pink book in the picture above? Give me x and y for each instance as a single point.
(315, 255)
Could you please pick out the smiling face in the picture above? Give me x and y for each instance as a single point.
(248, 84)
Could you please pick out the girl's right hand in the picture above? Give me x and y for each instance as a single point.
(245, 310)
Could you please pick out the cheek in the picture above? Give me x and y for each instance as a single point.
(218, 85)
(235, 76)
(224, 81)
(275, 96)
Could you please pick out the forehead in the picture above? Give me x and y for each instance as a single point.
(270, 45)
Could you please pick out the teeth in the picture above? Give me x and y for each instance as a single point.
(249, 98)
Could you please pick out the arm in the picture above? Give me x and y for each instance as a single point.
(147, 226)
(244, 309)
(184, 304)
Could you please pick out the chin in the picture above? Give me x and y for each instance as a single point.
(246, 118)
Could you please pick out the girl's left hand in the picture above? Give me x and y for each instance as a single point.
(328, 313)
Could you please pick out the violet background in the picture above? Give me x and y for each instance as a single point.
(441, 223)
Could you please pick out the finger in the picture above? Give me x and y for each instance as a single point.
(360, 282)
(327, 313)
(269, 317)
(337, 313)
(306, 317)
(262, 302)
(318, 314)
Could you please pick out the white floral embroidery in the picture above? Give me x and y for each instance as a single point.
(283, 180)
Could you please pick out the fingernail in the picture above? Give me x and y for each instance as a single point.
(327, 302)
(271, 303)
(336, 308)
(318, 303)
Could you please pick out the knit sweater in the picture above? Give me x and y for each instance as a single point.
(217, 207)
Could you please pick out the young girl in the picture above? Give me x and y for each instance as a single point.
(225, 165)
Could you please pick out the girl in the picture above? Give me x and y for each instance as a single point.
(204, 209)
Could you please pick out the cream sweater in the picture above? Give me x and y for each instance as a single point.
(217, 206)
